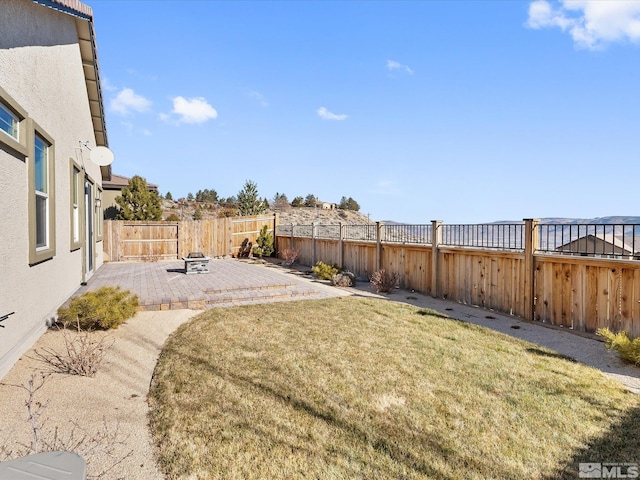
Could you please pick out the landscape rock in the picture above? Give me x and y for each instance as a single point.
(343, 279)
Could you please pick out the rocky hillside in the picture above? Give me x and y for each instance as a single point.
(307, 216)
(299, 216)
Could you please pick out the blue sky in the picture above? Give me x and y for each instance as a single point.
(465, 111)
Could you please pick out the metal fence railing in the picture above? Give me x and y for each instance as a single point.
(395, 233)
(611, 240)
(365, 233)
(502, 236)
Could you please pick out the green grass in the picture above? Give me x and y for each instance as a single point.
(352, 388)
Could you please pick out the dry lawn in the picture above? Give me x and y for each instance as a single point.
(365, 388)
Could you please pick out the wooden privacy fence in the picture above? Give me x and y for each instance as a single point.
(149, 241)
(583, 293)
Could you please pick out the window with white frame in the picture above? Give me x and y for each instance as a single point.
(9, 122)
(13, 128)
(41, 165)
(99, 214)
(41, 174)
(75, 206)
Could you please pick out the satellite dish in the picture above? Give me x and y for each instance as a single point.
(101, 156)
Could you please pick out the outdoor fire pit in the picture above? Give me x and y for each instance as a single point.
(196, 262)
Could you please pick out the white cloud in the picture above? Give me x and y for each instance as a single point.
(592, 24)
(259, 97)
(327, 115)
(393, 65)
(192, 110)
(127, 101)
(107, 86)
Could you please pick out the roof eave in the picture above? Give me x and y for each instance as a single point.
(89, 53)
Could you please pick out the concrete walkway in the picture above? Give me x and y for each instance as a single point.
(164, 286)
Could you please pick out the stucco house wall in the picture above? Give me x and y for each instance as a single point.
(41, 70)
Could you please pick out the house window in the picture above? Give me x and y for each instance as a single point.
(76, 188)
(9, 122)
(41, 195)
(13, 131)
(41, 171)
(99, 214)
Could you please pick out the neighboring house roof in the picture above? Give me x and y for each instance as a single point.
(118, 182)
(618, 246)
(89, 53)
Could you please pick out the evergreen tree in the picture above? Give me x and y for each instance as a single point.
(189, 197)
(297, 202)
(229, 202)
(353, 205)
(249, 203)
(197, 213)
(280, 202)
(168, 196)
(207, 195)
(138, 203)
(310, 200)
(349, 204)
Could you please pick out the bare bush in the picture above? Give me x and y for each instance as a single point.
(35, 410)
(99, 447)
(289, 255)
(383, 282)
(82, 355)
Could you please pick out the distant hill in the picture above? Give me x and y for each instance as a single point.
(613, 220)
(306, 216)
(299, 215)
(596, 221)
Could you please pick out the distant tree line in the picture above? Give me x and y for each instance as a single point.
(138, 202)
(248, 201)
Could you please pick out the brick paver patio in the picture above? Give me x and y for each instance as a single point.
(165, 286)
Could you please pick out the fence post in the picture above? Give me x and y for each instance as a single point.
(275, 234)
(341, 246)
(313, 243)
(107, 240)
(378, 246)
(293, 239)
(530, 246)
(180, 234)
(436, 240)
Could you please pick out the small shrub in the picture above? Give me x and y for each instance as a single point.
(289, 255)
(264, 243)
(105, 308)
(173, 217)
(382, 281)
(324, 271)
(227, 212)
(627, 348)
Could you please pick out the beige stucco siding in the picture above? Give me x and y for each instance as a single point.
(41, 68)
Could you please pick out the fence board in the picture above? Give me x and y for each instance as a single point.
(126, 240)
(604, 312)
(590, 276)
(626, 299)
(635, 323)
(578, 298)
